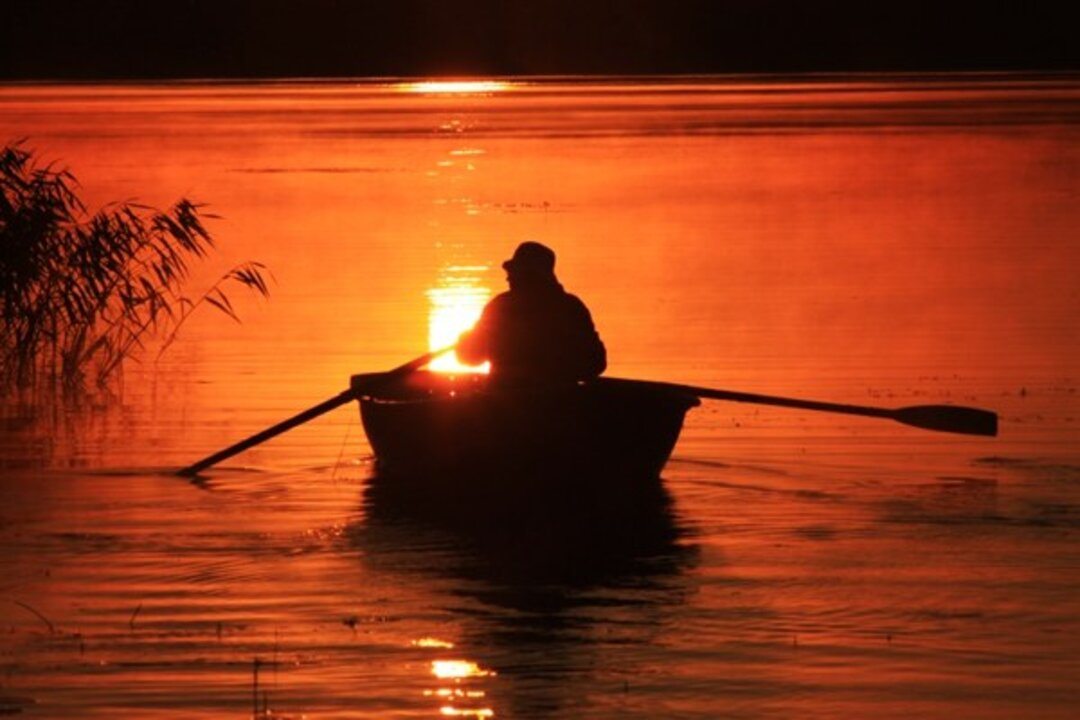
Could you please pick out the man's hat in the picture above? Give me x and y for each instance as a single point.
(531, 257)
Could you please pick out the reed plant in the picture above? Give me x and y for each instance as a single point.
(82, 292)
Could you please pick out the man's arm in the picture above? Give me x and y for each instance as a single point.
(591, 352)
(474, 346)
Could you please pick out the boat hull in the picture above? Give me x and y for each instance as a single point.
(436, 430)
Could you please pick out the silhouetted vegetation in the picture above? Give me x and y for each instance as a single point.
(82, 292)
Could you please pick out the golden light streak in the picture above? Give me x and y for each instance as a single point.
(454, 87)
(451, 711)
(455, 304)
(430, 642)
(455, 692)
(458, 669)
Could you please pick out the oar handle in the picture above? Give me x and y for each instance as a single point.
(414, 365)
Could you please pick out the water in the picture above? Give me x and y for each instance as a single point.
(887, 241)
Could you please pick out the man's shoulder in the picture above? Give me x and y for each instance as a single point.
(501, 299)
(498, 304)
(576, 303)
(570, 297)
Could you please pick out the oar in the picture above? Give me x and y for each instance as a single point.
(357, 388)
(945, 418)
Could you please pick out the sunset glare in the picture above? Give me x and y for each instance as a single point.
(454, 306)
(457, 669)
(430, 642)
(454, 87)
(451, 711)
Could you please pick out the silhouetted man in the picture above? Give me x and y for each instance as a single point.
(536, 332)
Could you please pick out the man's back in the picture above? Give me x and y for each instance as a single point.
(537, 334)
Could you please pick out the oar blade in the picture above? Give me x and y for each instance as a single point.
(950, 418)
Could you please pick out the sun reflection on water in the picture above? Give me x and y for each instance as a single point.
(430, 642)
(459, 671)
(455, 304)
(451, 711)
(454, 87)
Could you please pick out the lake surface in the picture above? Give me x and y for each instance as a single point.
(872, 240)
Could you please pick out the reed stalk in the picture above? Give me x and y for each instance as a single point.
(82, 292)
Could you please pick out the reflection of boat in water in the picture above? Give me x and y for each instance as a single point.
(539, 596)
(519, 541)
(433, 431)
(537, 517)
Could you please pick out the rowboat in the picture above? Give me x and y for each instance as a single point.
(436, 430)
(422, 424)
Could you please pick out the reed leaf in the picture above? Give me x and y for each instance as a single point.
(82, 293)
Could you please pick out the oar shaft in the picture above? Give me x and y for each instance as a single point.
(944, 418)
(357, 387)
(789, 402)
(298, 419)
